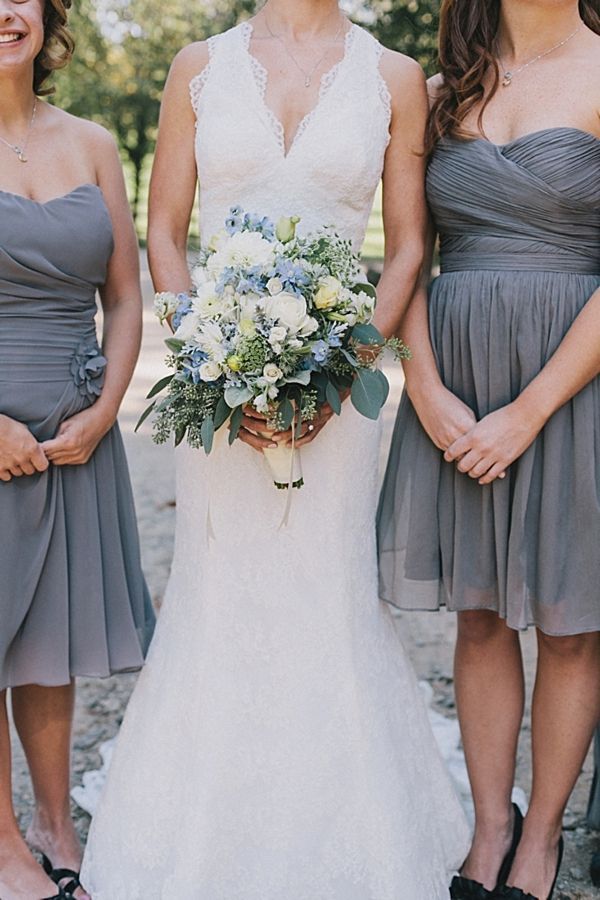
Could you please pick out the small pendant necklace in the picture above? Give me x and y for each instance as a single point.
(507, 76)
(21, 149)
(308, 75)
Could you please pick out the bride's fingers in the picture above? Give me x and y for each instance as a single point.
(255, 440)
(256, 425)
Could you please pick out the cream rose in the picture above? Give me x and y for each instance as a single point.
(328, 292)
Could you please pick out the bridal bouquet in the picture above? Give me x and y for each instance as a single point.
(275, 321)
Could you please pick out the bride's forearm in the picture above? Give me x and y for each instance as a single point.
(167, 256)
(396, 287)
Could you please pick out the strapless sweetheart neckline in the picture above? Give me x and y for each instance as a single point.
(65, 196)
(538, 133)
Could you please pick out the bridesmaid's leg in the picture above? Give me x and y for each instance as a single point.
(20, 875)
(566, 709)
(490, 699)
(43, 717)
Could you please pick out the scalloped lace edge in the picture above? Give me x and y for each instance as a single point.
(198, 82)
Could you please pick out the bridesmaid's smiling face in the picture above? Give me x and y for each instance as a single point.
(21, 34)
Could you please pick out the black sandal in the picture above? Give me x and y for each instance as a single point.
(467, 889)
(61, 896)
(58, 875)
(514, 893)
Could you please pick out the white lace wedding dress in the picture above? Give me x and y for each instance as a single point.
(276, 746)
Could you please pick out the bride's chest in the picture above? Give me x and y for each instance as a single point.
(340, 145)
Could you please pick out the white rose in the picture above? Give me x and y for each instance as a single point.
(210, 371)
(165, 304)
(274, 286)
(291, 312)
(272, 373)
(277, 335)
(241, 250)
(328, 292)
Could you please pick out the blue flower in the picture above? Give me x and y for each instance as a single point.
(321, 351)
(185, 305)
(87, 368)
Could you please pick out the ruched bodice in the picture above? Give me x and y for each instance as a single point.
(530, 204)
(332, 168)
(72, 596)
(53, 258)
(519, 228)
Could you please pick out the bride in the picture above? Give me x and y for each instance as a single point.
(276, 746)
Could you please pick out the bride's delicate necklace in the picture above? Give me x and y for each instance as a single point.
(509, 75)
(308, 75)
(21, 149)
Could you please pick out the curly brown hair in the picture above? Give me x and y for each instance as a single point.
(58, 47)
(466, 55)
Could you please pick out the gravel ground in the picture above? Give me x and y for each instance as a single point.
(428, 637)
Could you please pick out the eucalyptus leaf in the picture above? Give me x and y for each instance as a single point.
(235, 424)
(385, 385)
(302, 377)
(174, 344)
(367, 393)
(222, 413)
(286, 414)
(368, 334)
(160, 386)
(333, 398)
(207, 433)
(237, 396)
(144, 416)
(180, 433)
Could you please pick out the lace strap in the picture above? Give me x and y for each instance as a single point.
(382, 86)
(198, 82)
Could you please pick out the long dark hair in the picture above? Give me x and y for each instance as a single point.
(466, 55)
(58, 47)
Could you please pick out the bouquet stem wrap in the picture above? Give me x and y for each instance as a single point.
(286, 467)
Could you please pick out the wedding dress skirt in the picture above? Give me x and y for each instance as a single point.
(277, 746)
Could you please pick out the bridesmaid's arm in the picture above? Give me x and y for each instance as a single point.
(121, 298)
(502, 436)
(442, 414)
(404, 203)
(174, 175)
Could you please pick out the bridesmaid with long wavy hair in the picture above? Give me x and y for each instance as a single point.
(73, 600)
(491, 503)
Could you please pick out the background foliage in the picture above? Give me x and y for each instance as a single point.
(125, 47)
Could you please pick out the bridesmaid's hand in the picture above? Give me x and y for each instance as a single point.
(78, 437)
(20, 453)
(495, 442)
(444, 416)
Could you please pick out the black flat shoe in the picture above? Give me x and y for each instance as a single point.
(514, 893)
(58, 875)
(60, 896)
(466, 889)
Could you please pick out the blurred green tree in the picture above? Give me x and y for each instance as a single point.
(409, 26)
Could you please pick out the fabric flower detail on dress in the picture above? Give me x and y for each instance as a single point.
(87, 369)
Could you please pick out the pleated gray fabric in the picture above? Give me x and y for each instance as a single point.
(519, 229)
(73, 600)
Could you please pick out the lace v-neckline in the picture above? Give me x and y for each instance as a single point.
(260, 78)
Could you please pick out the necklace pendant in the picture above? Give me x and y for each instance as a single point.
(21, 155)
(307, 81)
(507, 80)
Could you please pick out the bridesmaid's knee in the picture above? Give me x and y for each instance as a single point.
(569, 646)
(479, 626)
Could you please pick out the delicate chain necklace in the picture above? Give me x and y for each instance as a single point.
(21, 149)
(308, 76)
(508, 76)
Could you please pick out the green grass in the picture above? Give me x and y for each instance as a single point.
(372, 248)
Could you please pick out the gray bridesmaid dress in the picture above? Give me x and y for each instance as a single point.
(519, 227)
(73, 600)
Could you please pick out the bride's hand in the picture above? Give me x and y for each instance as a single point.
(254, 432)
